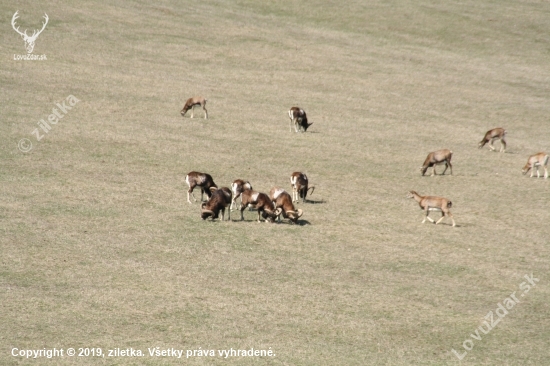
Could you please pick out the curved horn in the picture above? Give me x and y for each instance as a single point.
(206, 213)
(293, 215)
(278, 211)
(213, 189)
(312, 189)
(300, 213)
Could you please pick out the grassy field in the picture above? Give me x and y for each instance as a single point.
(99, 247)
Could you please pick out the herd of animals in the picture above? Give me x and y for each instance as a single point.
(279, 202)
(442, 204)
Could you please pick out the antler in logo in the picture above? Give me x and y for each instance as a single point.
(29, 41)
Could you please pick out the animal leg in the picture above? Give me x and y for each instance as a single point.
(190, 191)
(441, 219)
(242, 210)
(452, 219)
(427, 211)
(234, 202)
(444, 170)
(428, 215)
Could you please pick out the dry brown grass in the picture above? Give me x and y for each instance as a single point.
(100, 249)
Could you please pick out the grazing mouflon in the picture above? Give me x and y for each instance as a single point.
(300, 188)
(261, 202)
(219, 201)
(203, 180)
(283, 202)
(298, 117)
(238, 186)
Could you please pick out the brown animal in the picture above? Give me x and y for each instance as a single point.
(238, 186)
(491, 136)
(299, 119)
(283, 202)
(300, 188)
(219, 200)
(261, 201)
(536, 161)
(432, 203)
(203, 180)
(191, 103)
(435, 158)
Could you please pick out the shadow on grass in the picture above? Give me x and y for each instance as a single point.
(298, 223)
(315, 202)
